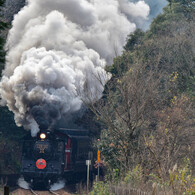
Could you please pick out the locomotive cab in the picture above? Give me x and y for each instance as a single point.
(78, 149)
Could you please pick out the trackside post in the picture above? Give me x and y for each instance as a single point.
(6, 190)
(88, 163)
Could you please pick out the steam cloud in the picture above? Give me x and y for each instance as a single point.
(57, 52)
(57, 186)
(23, 184)
(156, 7)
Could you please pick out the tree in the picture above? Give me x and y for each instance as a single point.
(10, 135)
(3, 27)
(140, 105)
(134, 40)
(172, 140)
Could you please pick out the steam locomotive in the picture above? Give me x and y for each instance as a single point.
(51, 156)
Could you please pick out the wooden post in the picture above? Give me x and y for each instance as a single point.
(6, 190)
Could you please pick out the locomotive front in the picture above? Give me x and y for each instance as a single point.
(42, 159)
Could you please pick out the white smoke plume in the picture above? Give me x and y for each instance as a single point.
(57, 186)
(57, 52)
(156, 7)
(23, 184)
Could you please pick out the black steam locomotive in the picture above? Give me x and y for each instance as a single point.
(51, 156)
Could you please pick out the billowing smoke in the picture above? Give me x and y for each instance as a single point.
(23, 184)
(57, 186)
(156, 7)
(57, 52)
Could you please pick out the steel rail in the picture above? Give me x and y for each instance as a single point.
(52, 192)
(33, 192)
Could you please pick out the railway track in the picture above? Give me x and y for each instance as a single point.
(33, 192)
(52, 192)
(21, 191)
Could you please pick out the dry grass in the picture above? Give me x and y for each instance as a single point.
(1, 190)
(122, 190)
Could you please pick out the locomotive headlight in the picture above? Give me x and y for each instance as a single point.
(42, 136)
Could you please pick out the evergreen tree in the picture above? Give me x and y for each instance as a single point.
(3, 27)
(10, 135)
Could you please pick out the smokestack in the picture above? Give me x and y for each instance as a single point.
(57, 52)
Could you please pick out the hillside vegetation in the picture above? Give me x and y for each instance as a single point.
(148, 109)
(10, 135)
(147, 112)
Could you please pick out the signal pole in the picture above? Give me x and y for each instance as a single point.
(98, 161)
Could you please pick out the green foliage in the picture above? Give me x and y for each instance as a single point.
(1, 189)
(176, 12)
(100, 188)
(2, 2)
(148, 111)
(10, 134)
(10, 142)
(134, 177)
(120, 65)
(3, 27)
(10, 156)
(134, 40)
(113, 176)
(180, 179)
(8, 128)
(2, 53)
(109, 149)
(187, 5)
(191, 87)
(163, 24)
